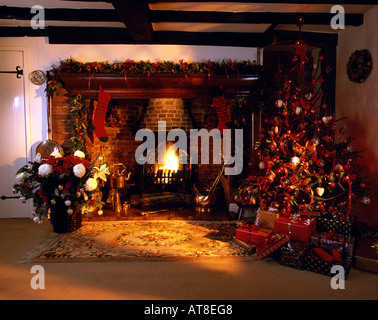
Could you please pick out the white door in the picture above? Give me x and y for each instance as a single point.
(13, 153)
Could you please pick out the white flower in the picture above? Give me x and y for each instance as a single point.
(79, 154)
(101, 172)
(79, 170)
(56, 153)
(44, 170)
(21, 177)
(38, 157)
(90, 184)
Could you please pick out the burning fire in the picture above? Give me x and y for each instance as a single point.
(171, 163)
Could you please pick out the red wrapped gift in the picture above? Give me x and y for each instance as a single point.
(299, 229)
(271, 244)
(252, 233)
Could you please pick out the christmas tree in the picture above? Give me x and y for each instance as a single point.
(305, 162)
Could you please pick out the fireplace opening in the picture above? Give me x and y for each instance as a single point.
(169, 176)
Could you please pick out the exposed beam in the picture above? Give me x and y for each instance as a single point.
(251, 17)
(330, 2)
(98, 35)
(135, 15)
(61, 14)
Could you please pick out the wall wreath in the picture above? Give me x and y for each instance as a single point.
(359, 66)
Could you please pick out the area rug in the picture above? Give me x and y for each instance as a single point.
(141, 240)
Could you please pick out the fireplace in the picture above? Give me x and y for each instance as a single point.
(158, 186)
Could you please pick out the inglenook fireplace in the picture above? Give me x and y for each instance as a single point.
(141, 103)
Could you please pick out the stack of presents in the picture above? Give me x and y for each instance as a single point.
(310, 243)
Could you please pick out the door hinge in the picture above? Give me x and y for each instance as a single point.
(19, 72)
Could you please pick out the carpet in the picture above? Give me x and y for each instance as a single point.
(141, 240)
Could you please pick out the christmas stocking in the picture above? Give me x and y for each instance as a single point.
(99, 115)
(220, 104)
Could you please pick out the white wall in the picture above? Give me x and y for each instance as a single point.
(41, 56)
(359, 102)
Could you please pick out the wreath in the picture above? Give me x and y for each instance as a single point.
(359, 66)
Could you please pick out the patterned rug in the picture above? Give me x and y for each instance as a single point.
(141, 240)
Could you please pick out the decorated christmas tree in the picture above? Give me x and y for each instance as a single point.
(305, 162)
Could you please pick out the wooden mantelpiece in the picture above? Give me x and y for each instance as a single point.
(157, 85)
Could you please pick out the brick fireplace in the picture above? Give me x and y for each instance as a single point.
(132, 109)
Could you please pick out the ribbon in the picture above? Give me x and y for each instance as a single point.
(127, 65)
(157, 64)
(347, 179)
(233, 64)
(184, 67)
(209, 69)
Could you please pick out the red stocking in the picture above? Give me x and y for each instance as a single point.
(100, 114)
(220, 103)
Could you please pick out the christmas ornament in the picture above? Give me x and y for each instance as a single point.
(67, 203)
(53, 201)
(365, 200)
(279, 103)
(295, 161)
(70, 211)
(319, 191)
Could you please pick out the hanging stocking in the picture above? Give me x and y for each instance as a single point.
(220, 104)
(100, 114)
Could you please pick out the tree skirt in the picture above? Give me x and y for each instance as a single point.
(145, 240)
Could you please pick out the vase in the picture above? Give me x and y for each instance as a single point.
(62, 221)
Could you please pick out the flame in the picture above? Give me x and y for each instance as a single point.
(171, 163)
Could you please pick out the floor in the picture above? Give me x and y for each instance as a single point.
(219, 279)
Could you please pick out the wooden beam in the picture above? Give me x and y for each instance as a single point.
(19, 13)
(252, 17)
(330, 2)
(135, 15)
(97, 35)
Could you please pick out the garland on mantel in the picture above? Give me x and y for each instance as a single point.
(80, 106)
(225, 67)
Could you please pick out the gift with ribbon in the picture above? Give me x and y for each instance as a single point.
(345, 227)
(293, 253)
(332, 241)
(265, 218)
(270, 245)
(252, 234)
(299, 229)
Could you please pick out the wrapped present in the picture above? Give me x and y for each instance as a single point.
(265, 218)
(252, 233)
(299, 229)
(329, 241)
(248, 246)
(345, 228)
(273, 243)
(315, 264)
(293, 253)
(322, 254)
(366, 258)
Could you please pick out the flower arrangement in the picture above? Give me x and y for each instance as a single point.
(64, 183)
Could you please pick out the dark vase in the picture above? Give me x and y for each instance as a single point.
(62, 221)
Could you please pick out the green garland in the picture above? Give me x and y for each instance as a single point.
(80, 106)
(79, 110)
(225, 67)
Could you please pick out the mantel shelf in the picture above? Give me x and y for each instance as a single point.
(157, 85)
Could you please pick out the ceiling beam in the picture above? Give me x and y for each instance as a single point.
(18, 13)
(135, 15)
(308, 2)
(251, 17)
(97, 35)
